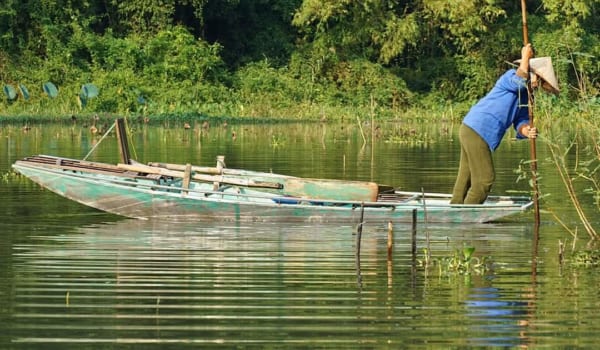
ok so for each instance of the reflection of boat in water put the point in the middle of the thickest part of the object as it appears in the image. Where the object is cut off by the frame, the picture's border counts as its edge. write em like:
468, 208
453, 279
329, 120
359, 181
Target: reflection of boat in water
156, 282
196, 193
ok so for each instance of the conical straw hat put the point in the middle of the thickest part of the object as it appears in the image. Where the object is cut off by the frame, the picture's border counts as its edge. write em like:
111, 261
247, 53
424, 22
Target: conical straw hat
542, 67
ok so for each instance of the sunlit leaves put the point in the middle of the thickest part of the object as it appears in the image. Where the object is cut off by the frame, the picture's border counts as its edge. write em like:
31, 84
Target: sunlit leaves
462, 21
570, 11
176, 55
146, 16
390, 27
397, 35
320, 12
339, 52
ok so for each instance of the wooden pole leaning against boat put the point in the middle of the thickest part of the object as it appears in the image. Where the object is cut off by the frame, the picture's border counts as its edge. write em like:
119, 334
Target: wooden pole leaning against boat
187, 177
123, 143
220, 167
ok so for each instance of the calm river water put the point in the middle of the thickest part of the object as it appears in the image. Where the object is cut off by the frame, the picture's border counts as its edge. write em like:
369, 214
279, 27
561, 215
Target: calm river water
73, 277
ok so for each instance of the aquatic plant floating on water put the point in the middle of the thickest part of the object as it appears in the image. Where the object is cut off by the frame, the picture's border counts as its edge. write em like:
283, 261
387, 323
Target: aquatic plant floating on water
586, 258
461, 262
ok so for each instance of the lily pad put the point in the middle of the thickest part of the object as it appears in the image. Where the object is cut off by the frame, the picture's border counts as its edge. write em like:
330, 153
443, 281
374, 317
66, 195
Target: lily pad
24, 91
89, 91
50, 89
10, 92
81, 101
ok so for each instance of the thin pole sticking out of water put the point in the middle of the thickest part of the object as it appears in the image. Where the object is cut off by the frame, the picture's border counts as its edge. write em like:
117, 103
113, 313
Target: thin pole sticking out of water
359, 230
390, 245
425, 223
414, 234
390, 241
414, 250
358, 238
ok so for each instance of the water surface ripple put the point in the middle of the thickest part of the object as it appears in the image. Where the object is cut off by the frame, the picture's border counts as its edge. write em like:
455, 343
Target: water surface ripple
137, 282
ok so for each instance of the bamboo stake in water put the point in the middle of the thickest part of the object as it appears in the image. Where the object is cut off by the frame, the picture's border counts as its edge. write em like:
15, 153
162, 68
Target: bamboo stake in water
390, 245
359, 230
425, 223
414, 234
390, 241
358, 239
530, 105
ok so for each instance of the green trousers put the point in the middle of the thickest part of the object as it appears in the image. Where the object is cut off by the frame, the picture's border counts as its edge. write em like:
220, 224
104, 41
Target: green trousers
475, 171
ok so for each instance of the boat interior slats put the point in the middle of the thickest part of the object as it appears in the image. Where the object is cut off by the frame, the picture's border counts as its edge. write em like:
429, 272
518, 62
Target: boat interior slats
71, 164
395, 197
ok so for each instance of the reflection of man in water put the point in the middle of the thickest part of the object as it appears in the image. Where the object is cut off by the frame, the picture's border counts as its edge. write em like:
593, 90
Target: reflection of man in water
499, 322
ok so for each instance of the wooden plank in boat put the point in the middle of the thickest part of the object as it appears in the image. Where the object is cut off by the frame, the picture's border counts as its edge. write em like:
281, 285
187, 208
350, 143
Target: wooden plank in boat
331, 189
293, 186
200, 177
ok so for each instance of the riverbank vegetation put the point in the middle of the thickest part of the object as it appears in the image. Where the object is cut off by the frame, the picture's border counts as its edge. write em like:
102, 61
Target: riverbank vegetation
293, 59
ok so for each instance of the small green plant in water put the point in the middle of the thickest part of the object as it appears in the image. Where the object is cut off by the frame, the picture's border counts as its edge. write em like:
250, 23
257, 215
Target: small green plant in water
586, 258
9, 175
277, 141
461, 262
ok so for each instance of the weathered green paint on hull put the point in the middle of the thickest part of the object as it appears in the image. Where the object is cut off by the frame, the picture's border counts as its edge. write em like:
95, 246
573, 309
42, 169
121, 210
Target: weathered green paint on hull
149, 199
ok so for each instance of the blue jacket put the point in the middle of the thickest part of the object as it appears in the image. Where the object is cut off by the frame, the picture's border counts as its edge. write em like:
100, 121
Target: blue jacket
503, 106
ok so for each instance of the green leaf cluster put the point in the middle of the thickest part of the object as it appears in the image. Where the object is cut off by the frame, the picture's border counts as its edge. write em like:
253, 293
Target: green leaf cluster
283, 57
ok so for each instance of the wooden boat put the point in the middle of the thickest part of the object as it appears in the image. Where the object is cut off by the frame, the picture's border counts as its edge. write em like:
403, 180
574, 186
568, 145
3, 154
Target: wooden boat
159, 192
195, 193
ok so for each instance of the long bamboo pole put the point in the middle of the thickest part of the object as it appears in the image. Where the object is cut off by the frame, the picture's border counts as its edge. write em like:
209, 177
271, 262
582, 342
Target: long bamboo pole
533, 151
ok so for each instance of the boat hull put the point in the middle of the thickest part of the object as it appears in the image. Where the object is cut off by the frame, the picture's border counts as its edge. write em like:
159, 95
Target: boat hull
149, 198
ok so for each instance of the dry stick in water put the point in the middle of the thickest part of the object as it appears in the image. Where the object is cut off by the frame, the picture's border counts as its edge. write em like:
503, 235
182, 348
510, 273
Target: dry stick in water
414, 234
425, 225
359, 230
358, 238
362, 133
390, 242
561, 252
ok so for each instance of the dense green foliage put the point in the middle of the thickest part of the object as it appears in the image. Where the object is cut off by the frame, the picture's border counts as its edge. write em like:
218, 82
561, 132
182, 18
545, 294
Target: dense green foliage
283, 58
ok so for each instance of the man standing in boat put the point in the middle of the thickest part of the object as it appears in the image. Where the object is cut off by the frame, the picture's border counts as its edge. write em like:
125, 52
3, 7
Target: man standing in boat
486, 123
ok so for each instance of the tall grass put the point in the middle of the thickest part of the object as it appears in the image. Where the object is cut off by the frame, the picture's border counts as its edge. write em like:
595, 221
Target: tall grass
572, 136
